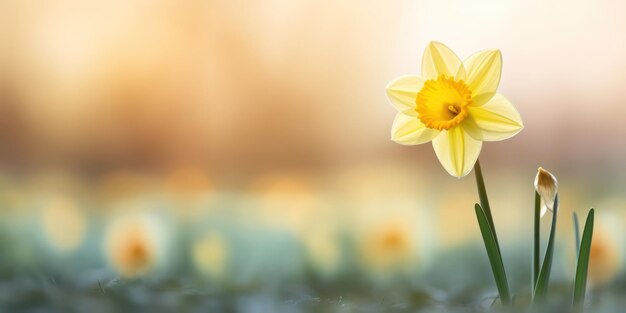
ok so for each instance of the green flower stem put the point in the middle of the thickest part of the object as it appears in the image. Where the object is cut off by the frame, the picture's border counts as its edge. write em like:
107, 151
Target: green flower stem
537, 240
484, 201
541, 289
580, 282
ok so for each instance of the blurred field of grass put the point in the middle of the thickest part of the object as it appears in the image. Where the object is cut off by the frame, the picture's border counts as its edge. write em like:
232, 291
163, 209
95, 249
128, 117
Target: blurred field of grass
368, 232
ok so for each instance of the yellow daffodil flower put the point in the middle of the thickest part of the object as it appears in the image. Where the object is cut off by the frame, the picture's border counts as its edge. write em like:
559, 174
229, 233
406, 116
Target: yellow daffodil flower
454, 104
547, 187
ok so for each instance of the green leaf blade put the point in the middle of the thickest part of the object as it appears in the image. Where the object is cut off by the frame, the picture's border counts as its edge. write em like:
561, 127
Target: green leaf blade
576, 232
493, 252
580, 282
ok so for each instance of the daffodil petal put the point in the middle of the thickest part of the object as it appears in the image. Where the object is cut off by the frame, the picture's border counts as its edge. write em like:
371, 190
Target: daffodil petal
402, 92
483, 70
495, 120
457, 151
440, 60
409, 130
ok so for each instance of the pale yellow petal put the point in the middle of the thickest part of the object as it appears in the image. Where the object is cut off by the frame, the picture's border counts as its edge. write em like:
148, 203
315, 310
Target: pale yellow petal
402, 92
495, 120
440, 60
483, 75
409, 130
457, 151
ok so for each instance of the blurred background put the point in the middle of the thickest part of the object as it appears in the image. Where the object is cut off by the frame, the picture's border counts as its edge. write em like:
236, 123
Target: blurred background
240, 149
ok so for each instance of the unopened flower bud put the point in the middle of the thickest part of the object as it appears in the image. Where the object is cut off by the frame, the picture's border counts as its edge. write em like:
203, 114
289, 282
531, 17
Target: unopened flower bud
547, 187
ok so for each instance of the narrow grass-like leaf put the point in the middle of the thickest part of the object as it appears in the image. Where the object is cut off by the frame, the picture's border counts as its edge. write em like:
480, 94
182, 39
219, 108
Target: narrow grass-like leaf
484, 200
537, 240
495, 259
543, 280
576, 232
580, 282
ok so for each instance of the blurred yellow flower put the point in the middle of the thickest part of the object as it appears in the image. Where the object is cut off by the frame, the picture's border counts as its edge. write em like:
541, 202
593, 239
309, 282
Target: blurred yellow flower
454, 104
64, 223
210, 254
131, 247
604, 258
323, 247
547, 187
389, 247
